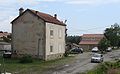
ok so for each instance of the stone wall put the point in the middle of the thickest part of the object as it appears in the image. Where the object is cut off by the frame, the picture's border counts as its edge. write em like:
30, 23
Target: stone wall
54, 56
87, 47
28, 35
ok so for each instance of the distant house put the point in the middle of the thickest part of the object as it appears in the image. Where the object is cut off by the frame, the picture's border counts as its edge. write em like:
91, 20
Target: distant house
38, 34
4, 46
3, 34
90, 40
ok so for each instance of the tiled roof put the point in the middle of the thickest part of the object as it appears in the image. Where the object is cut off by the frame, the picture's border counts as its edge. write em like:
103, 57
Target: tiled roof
93, 35
91, 38
4, 34
47, 17
89, 42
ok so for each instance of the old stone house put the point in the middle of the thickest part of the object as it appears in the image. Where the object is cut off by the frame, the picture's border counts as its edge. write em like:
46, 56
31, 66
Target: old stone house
90, 40
38, 34
4, 46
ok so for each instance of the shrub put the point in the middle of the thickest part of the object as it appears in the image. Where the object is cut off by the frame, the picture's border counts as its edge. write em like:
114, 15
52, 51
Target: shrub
26, 59
103, 45
104, 68
66, 54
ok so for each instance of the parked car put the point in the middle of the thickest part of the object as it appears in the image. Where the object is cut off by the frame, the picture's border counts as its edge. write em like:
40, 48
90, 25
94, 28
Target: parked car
76, 50
7, 54
96, 57
95, 49
109, 49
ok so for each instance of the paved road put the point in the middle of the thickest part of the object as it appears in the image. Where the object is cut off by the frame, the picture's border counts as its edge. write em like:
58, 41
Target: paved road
83, 63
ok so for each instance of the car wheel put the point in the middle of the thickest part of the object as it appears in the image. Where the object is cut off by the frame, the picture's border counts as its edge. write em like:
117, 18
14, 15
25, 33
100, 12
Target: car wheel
91, 61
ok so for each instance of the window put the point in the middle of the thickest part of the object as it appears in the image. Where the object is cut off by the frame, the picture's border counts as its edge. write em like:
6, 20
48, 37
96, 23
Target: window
60, 33
51, 48
51, 32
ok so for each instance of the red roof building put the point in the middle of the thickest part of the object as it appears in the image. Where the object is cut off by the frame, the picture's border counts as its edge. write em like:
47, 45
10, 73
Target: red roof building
90, 40
3, 34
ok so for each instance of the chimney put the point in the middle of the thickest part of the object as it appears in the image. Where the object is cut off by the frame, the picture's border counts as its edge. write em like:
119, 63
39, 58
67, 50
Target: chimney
36, 12
55, 16
65, 21
21, 10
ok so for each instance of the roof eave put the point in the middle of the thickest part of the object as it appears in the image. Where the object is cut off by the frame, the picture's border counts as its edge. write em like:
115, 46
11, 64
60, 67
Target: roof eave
19, 16
35, 15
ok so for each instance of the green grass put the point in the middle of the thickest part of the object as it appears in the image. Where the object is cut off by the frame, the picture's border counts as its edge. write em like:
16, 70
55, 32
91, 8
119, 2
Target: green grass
37, 67
104, 68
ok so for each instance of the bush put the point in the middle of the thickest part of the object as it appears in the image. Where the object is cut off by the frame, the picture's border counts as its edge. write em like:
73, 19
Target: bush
67, 52
103, 68
103, 45
26, 59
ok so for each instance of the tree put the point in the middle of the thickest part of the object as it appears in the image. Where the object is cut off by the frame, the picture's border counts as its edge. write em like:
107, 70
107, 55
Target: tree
9, 36
103, 45
6, 39
1, 31
113, 35
73, 39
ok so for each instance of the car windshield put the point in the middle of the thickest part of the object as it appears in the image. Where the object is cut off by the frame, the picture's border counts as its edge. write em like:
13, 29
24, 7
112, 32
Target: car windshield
96, 55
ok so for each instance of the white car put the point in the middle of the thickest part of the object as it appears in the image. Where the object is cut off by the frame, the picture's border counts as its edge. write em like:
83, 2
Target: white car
7, 54
97, 57
6, 73
109, 49
95, 49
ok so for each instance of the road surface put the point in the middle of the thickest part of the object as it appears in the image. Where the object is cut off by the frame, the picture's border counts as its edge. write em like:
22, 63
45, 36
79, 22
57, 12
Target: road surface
82, 63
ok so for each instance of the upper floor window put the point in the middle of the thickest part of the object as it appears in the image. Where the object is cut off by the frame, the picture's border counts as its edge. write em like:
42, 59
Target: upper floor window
60, 33
51, 32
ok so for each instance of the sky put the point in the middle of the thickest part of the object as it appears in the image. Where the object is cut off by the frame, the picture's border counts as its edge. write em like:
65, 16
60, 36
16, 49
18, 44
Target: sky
83, 16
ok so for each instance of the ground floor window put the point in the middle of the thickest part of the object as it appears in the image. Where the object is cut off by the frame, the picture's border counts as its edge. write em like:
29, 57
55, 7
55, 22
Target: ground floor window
51, 48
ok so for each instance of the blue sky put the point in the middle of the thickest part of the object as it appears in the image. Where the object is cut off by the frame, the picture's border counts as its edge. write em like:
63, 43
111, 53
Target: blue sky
83, 16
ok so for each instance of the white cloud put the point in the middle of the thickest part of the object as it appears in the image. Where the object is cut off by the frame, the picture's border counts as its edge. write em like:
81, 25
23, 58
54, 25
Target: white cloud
9, 10
47, 0
18, 2
28, 2
88, 2
5, 24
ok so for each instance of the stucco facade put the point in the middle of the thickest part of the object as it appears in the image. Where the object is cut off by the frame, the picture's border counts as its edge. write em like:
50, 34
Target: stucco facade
57, 40
31, 35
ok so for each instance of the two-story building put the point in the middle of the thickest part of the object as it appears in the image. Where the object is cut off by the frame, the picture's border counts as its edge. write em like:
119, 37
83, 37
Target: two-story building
38, 34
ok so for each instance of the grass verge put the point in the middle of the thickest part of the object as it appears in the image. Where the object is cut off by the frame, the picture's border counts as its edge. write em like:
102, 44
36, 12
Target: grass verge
37, 67
106, 68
